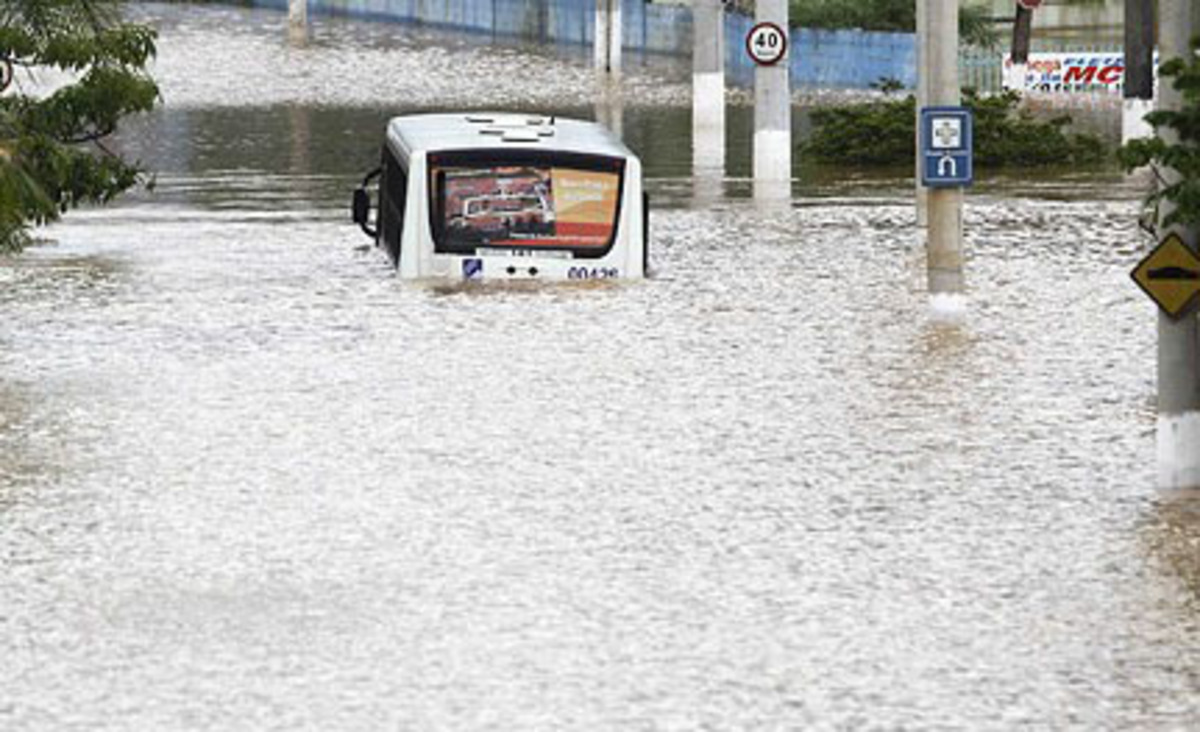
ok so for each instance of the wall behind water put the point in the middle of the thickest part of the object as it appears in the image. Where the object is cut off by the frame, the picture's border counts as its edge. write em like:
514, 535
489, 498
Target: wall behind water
819, 59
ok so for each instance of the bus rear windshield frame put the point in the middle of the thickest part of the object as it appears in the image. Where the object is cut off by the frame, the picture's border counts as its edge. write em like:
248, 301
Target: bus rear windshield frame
495, 158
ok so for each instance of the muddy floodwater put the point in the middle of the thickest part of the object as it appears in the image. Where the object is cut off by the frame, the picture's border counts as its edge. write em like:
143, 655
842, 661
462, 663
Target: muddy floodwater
251, 480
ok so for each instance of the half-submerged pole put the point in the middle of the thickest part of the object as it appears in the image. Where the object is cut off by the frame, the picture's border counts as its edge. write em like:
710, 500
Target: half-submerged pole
945, 242
708, 89
298, 13
773, 112
1178, 340
608, 38
298, 22
922, 102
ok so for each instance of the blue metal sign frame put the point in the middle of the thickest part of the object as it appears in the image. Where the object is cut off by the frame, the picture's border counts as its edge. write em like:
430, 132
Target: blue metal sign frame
947, 147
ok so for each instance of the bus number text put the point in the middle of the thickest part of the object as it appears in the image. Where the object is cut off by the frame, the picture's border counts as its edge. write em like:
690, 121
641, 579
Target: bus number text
593, 273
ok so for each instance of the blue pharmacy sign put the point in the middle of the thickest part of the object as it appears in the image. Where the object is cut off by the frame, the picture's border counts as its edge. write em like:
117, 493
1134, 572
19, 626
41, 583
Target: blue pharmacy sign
947, 147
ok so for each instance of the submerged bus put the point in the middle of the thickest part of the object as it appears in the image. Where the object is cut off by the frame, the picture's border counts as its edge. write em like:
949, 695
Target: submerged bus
506, 197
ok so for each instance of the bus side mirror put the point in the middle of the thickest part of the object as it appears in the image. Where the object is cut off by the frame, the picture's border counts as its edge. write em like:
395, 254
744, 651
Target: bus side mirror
361, 207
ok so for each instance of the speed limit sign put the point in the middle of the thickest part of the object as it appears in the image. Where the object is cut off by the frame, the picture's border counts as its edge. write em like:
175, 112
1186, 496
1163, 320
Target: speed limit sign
767, 44
6, 73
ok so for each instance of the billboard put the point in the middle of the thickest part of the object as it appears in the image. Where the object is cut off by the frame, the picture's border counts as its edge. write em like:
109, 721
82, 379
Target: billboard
1101, 72
527, 206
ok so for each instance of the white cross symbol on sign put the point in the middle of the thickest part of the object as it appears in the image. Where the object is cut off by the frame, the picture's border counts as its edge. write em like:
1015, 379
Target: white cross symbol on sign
947, 133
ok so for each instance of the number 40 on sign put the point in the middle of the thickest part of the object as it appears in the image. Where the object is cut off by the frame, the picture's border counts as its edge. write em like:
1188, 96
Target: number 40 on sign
767, 44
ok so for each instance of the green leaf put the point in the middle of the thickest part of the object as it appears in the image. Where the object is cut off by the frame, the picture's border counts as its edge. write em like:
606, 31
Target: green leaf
1183, 155
50, 158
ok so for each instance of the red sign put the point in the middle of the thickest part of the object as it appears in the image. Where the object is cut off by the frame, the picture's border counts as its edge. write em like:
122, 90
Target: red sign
1030, 4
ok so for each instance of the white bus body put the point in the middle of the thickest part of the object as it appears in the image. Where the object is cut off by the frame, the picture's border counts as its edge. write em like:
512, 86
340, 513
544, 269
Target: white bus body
507, 197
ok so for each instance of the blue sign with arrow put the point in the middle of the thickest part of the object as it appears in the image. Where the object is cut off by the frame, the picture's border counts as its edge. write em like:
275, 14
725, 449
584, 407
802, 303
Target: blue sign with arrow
947, 147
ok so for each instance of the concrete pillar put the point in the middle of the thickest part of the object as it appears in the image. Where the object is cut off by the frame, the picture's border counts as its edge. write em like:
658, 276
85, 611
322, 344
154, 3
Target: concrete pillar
1178, 341
708, 88
610, 108
945, 250
773, 113
1133, 119
298, 12
1139, 70
298, 22
608, 38
922, 102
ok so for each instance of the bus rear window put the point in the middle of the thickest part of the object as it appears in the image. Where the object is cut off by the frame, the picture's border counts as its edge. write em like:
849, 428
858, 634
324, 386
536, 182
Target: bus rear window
525, 206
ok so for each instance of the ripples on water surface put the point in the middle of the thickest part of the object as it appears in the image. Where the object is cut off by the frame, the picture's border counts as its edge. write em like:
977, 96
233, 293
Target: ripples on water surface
250, 480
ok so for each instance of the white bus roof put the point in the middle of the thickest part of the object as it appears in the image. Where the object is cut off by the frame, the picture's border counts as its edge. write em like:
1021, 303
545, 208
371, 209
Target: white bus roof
489, 131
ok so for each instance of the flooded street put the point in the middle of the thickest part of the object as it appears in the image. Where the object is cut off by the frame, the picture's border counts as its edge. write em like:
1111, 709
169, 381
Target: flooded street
249, 479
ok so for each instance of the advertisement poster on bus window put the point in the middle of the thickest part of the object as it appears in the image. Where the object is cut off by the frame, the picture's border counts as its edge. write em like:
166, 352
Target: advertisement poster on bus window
1070, 73
525, 206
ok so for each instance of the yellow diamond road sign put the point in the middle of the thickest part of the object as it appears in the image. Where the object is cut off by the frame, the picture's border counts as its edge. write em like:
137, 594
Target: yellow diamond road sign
1170, 275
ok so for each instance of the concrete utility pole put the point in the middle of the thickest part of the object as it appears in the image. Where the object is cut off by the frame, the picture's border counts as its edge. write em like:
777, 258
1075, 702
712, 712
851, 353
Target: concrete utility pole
922, 102
608, 38
945, 248
1178, 341
297, 23
298, 13
610, 108
708, 86
1139, 69
773, 113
